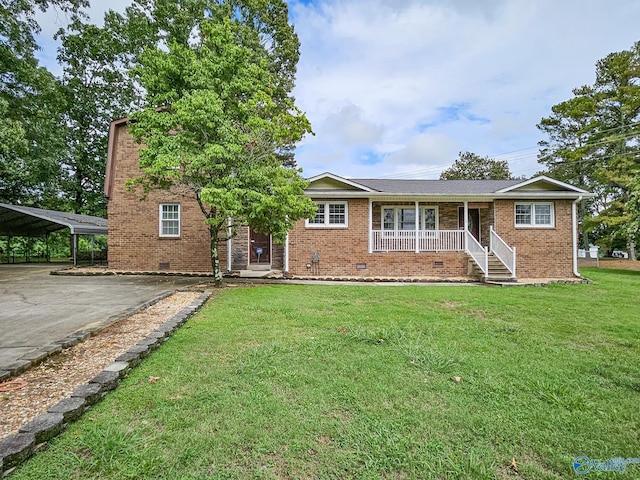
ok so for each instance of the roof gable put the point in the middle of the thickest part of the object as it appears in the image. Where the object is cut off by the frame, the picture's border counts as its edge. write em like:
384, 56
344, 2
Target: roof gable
542, 184
329, 181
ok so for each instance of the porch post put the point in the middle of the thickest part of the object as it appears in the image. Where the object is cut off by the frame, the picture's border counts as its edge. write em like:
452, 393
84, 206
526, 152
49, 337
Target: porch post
466, 223
491, 238
417, 226
370, 225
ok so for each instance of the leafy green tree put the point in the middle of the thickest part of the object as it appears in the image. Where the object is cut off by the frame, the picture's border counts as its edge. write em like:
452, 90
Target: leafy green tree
618, 86
97, 88
13, 144
469, 166
31, 103
220, 118
568, 153
594, 142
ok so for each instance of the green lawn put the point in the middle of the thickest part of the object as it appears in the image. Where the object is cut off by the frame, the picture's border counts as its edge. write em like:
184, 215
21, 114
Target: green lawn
357, 382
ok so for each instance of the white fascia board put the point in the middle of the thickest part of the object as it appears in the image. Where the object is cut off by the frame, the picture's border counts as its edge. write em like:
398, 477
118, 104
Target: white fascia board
479, 197
339, 179
543, 178
543, 195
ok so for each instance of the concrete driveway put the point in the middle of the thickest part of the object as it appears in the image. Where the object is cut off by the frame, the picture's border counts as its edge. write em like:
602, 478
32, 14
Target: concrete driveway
37, 309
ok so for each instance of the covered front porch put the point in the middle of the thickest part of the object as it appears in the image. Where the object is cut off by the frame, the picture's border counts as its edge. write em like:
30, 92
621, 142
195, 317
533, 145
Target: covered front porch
464, 226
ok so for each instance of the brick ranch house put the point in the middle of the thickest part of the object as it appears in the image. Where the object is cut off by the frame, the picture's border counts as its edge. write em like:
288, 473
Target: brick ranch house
370, 228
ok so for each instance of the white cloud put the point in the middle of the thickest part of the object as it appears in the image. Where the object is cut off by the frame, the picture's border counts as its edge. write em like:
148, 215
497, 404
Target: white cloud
400, 86
424, 150
349, 128
438, 77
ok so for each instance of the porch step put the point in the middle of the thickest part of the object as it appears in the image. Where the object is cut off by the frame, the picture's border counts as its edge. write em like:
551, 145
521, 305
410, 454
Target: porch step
259, 267
497, 271
257, 274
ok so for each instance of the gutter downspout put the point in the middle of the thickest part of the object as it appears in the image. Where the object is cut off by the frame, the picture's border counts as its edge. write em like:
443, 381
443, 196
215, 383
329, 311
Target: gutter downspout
370, 225
574, 228
417, 229
286, 255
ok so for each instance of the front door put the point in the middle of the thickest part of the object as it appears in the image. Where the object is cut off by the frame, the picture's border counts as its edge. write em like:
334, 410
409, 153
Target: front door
259, 248
474, 221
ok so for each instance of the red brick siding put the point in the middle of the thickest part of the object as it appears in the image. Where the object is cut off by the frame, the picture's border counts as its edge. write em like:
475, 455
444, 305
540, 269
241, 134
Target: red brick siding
134, 240
277, 256
448, 216
540, 252
340, 249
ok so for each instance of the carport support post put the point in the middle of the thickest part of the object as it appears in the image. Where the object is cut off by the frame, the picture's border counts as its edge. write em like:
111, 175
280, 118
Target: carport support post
466, 224
75, 249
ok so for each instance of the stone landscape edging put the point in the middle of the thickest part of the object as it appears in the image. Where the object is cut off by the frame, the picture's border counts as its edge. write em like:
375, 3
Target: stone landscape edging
33, 436
37, 356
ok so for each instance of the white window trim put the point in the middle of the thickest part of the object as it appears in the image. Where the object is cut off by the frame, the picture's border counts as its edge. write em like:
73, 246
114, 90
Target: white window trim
160, 220
533, 223
421, 221
326, 223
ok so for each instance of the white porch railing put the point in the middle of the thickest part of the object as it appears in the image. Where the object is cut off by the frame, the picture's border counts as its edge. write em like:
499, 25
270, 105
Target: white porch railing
441, 240
479, 253
427, 240
446, 241
504, 252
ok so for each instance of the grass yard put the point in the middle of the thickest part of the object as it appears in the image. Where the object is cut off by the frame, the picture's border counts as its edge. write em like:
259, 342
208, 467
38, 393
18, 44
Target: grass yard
339, 382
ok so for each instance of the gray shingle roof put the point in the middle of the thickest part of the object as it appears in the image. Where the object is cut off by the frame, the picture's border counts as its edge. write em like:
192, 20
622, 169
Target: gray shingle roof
435, 187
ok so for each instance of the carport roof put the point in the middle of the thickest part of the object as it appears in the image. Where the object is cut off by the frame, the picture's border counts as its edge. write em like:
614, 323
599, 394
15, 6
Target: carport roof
30, 221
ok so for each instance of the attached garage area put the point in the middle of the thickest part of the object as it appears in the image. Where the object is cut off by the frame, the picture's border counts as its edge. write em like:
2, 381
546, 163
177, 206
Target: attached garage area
17, 221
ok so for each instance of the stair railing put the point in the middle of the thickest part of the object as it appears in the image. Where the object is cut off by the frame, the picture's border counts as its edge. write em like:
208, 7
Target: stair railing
505, 253
479, 253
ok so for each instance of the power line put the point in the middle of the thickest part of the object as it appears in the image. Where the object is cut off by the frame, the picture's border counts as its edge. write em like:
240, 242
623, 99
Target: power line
434, 169
524, 156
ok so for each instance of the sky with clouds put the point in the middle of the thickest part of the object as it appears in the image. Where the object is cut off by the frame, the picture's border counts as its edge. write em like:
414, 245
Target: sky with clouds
396, 88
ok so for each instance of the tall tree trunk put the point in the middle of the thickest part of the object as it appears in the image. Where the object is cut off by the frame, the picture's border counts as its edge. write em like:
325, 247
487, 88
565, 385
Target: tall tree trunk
631, 247
77, 208
215, 258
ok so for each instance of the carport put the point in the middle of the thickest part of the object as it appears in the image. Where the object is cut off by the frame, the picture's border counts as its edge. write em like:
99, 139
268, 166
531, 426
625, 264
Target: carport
20, 221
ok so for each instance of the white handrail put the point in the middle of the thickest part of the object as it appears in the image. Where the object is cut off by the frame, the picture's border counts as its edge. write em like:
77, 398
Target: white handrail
504, 252
479, 253
426, 240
